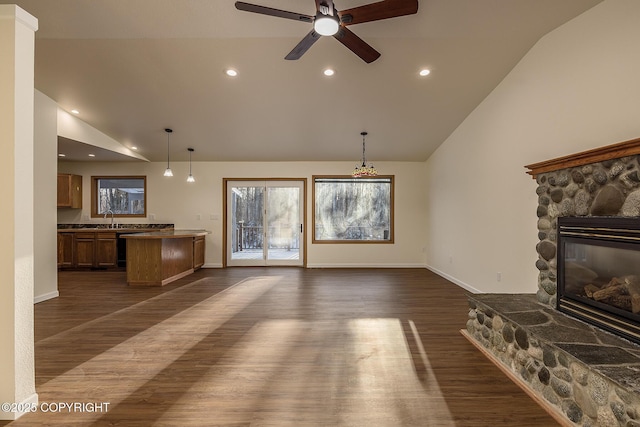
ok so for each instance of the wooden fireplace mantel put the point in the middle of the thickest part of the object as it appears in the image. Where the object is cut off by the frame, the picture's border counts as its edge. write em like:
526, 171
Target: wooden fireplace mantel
608, 152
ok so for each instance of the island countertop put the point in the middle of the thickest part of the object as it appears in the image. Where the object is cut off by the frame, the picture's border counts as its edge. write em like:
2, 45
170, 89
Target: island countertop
166, 234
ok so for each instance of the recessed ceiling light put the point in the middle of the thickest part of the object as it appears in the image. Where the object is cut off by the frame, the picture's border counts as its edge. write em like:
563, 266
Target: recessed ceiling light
231, 72
134, 147
92, 155
61, 155
74, 111
425, 72
329, 72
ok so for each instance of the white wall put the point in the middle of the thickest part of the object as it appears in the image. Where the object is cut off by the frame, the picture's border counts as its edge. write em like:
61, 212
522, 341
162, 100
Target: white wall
173, 200
45, 216
578, 88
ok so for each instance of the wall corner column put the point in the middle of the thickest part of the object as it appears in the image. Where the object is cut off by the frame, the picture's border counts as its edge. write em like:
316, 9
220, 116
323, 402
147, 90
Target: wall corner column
17, 49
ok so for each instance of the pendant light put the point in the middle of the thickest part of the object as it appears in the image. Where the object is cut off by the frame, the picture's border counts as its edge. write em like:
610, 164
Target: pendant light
364, 170
190, 178
168, 171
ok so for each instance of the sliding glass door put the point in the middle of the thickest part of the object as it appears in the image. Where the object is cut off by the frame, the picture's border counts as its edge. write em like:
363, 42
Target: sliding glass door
265, 221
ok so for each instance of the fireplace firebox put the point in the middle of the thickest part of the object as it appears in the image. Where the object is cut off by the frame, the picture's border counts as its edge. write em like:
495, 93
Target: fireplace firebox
598, 262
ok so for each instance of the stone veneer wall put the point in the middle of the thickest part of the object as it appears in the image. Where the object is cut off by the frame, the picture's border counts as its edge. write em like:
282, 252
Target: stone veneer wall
607, 188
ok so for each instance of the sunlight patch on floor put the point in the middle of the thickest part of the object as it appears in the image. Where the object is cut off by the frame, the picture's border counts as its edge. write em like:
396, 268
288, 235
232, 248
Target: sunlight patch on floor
341, 372
146, 354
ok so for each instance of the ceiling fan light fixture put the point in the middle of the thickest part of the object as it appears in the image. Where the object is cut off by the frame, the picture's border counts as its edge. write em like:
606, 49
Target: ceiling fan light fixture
327, 22
326, 25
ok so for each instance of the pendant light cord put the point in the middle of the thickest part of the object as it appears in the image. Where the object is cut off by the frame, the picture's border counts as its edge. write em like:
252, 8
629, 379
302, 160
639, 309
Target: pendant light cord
168, 133
364, 159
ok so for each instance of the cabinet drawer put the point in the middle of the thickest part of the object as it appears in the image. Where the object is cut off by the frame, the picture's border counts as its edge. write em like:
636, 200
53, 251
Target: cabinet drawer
85, 236
106, 235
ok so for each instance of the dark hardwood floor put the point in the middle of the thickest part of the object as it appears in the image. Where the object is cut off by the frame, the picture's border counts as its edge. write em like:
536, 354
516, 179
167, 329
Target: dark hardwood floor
269, 347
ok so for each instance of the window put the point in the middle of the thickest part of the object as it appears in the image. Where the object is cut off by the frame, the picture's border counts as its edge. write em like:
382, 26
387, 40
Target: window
353, 210
125, 196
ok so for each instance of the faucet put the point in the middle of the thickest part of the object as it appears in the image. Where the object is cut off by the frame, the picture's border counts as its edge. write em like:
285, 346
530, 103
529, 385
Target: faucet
107, 213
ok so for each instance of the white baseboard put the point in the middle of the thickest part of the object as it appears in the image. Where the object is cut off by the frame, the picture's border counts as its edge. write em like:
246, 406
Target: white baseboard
29, 402
460, 283
45, 297
364, 265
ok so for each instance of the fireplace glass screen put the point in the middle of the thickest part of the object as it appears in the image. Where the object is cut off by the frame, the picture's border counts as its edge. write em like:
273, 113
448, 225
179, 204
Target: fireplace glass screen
602, 274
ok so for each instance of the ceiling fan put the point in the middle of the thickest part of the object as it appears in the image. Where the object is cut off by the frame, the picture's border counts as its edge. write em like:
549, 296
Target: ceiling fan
329, 21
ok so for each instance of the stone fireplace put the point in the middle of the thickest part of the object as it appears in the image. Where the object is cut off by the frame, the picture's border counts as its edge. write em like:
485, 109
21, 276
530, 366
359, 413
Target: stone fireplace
576, 354
582, 186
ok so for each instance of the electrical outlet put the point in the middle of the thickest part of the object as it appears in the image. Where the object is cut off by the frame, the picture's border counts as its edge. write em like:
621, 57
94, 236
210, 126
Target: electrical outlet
152, 217
198, 217
498, 276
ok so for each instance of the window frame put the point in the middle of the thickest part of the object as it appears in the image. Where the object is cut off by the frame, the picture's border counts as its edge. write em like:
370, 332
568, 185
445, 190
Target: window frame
94, 195
391, 240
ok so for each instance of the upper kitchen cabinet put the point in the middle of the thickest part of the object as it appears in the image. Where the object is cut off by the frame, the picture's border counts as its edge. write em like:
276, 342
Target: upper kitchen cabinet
69, 191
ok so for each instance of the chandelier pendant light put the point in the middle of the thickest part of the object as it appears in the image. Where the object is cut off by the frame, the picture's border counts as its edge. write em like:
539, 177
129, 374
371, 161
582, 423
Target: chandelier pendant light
190, 178
168, 171
364, 169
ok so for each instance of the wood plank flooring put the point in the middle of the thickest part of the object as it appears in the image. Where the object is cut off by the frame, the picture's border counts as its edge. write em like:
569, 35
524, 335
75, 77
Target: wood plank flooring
269, 347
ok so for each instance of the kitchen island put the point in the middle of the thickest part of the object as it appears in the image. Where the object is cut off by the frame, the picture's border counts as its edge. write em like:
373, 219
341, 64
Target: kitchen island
161, 257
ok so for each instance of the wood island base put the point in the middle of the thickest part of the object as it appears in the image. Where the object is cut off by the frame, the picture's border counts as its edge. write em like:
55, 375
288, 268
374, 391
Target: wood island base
155, 259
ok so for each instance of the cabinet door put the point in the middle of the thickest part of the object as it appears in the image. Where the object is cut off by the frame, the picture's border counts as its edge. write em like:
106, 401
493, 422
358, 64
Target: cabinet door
64, 190
106, 250
85, 250
198, 252
69, 191
65, 249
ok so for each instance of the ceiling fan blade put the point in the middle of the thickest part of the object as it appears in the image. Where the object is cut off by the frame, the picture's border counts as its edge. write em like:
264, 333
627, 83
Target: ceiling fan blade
263, 10
357, 45
303, 46
377, 11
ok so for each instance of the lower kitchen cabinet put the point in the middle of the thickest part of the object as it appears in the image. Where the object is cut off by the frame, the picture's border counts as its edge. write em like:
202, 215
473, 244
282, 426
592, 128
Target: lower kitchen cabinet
106, 250
65, 250
87, 250
198, 252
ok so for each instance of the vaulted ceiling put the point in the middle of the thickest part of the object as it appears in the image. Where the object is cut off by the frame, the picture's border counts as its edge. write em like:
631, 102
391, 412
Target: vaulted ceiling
134, 68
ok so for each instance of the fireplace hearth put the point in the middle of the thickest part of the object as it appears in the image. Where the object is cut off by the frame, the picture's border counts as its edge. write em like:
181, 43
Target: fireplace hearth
575, 345
599, 272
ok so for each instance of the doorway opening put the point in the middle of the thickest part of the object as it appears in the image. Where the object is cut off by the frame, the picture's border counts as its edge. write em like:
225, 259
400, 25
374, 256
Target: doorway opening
265, 222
